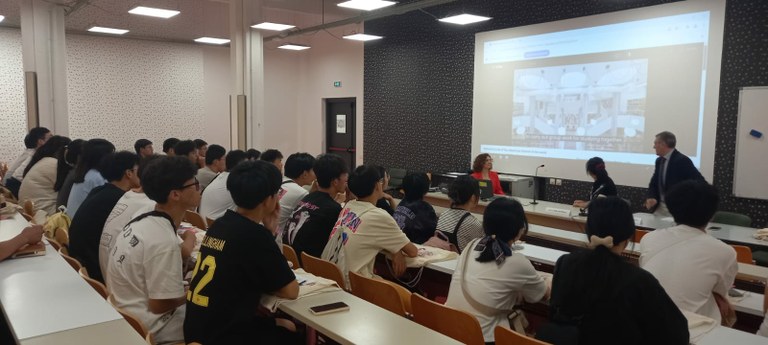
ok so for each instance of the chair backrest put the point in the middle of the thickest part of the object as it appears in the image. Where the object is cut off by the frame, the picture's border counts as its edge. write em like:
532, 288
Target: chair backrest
454, 323
378, 292
134, 321
639, 235
743, 254
95, 284
29, 208
55, 244
62, 236
506, 336
396, 177
291, 256
70, 260
322, 268
210, 222
732, 218
196, 220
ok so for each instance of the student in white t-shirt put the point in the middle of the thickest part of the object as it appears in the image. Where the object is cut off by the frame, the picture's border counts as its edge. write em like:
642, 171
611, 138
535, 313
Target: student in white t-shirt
216, 198
490, 278
298, 173
369, 229
144, 271
690, 264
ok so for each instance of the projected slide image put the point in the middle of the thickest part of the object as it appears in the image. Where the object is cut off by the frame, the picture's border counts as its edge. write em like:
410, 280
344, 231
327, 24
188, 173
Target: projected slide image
597, 106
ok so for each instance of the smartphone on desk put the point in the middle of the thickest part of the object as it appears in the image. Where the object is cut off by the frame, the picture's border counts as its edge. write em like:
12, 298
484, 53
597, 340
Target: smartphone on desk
329, 308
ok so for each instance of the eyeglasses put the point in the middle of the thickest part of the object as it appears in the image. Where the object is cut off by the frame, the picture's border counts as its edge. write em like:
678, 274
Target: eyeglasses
196, 184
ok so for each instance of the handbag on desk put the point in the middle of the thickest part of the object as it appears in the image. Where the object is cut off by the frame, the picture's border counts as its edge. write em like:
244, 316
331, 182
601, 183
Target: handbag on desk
441, 240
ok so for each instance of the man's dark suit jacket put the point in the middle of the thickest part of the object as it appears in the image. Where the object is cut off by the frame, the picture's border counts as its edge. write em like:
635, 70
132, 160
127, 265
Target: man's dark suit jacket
679, 169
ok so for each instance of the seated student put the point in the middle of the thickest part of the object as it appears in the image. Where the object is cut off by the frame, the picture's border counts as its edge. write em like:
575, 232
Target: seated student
252, 154
387, 201
143, 148
66, 166
41, 175
312, 220
85, 231
415, 216
458, 223
87, 175
605, 297
133, 203
222, 307
298, 173
368, 229
169, 144
215, 162
144, 272
202, 151
603, 185
273, 156
29, 235
703, 265
481, 170
216, 199
490, 279
186, 148
15, 174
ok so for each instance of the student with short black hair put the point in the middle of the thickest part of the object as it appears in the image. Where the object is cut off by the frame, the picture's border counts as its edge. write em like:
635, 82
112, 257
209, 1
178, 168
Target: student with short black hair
298, 173
169, 144
221, 307
599, 297
216, 198
202, 151
311, 221
85, 231
87, 175
413, 215
705, 267
215, 162
490, 277
253, 154
273, 156
34, 139
369, 229
457, 222
387, 201
144, 271
186, 148
143, 148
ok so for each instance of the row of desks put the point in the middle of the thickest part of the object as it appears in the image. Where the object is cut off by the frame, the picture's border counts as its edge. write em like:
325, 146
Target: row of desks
46, 302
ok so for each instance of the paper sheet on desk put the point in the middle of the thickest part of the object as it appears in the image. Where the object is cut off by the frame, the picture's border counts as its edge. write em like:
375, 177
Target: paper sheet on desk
698, 325
309, 285
429, 255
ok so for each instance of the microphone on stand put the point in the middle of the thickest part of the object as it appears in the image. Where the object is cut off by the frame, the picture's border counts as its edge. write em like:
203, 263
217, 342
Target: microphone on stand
536, 185
583, 211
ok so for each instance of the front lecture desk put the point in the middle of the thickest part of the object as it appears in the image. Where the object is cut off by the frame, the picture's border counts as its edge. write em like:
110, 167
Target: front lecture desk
46, 302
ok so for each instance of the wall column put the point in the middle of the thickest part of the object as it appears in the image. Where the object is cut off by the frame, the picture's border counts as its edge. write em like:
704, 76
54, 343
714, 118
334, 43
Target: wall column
247, 64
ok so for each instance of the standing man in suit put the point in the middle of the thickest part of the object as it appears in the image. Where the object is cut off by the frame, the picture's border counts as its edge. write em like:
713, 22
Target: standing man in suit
672, 167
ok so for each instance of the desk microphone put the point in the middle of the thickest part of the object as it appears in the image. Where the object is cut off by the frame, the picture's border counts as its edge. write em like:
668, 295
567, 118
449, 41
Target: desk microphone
583, 211
536, 185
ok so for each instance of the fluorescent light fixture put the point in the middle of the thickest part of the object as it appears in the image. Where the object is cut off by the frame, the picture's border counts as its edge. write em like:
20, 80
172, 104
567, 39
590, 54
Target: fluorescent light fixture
366, 5
290, 46
153, 12
272, 26
362, 37
104, 30
464, 19
1, 18
212, 40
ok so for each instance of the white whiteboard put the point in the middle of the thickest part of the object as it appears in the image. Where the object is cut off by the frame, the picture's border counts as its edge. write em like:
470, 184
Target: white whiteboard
751, 164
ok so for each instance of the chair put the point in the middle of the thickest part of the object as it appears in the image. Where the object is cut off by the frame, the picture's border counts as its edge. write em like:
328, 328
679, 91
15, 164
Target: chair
70, 260
506, 336
55, 244
743, 254
396, 178
133, 321
379, 292
639, 235
196, 220
29, 208
732, 218
454, 323
209, 221
95, 284
62, 236
291, 256
322, 268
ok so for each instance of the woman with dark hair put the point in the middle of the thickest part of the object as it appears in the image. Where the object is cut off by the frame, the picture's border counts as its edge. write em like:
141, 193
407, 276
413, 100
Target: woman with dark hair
603, 185
481, 170
490, 278
66, 167
387, 202
40, 175
87, 176
598, 297
457, 222
413, 215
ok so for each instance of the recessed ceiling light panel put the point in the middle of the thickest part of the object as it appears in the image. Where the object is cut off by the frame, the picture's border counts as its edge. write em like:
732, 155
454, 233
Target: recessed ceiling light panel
212, 40
1, 18
362, 37
464, 19
293, 47
366, 5
111, 31
153, 12
273, 26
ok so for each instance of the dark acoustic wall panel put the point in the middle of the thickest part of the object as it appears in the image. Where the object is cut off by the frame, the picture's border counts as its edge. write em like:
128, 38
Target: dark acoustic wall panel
419, 81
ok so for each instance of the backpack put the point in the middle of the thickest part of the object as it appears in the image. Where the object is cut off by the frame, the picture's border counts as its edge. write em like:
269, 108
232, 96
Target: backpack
57, 220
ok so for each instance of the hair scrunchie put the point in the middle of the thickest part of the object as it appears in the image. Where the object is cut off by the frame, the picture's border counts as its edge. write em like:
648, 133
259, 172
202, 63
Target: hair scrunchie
500, 248
595, 241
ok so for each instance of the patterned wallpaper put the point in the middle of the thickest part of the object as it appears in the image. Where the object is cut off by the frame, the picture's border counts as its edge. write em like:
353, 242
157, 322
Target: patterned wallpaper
419, 79
13, 109
122, 90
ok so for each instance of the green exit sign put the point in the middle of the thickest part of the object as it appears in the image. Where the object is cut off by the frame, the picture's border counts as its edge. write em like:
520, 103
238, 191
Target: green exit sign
336, 84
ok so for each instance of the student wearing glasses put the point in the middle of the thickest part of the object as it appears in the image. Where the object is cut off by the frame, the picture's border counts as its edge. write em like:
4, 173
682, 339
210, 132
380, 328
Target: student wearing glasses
144, 272
481, 170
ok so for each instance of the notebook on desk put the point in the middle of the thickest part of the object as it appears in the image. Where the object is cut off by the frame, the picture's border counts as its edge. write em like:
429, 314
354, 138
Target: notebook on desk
37, 249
